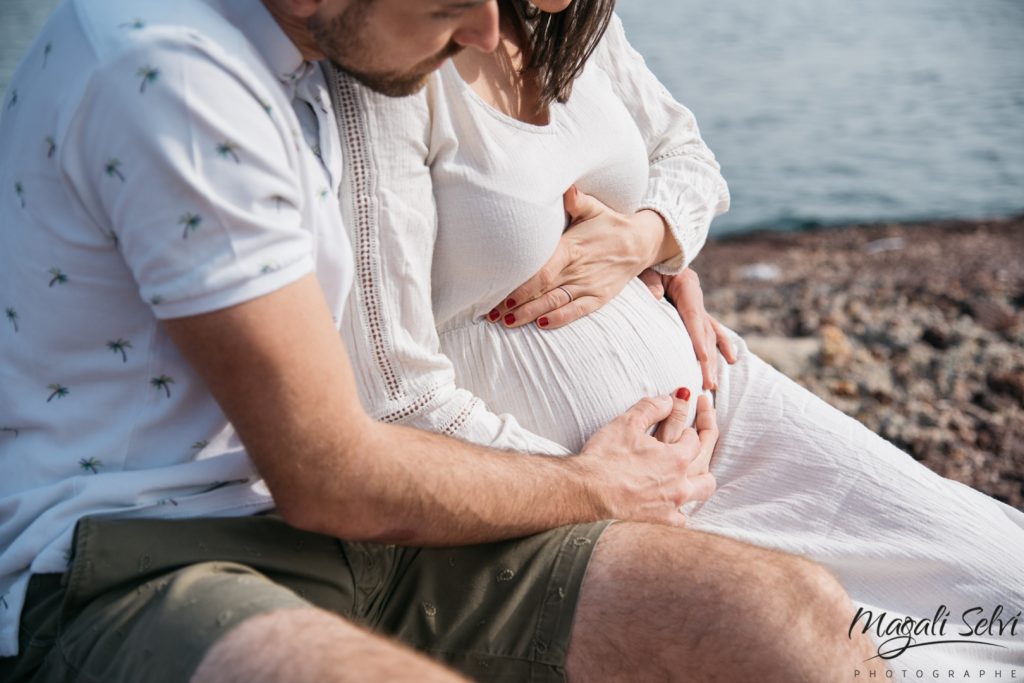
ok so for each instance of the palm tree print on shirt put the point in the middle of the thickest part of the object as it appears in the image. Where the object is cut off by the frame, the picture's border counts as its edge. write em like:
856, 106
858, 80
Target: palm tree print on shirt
46, 53
119, 346
200, 445
51, 146
191, 222
57, 391
113, 169
149, 75
135, 24
12, 316
19, 190
227, 150
14, 99
162, 382
90, 465
57, 276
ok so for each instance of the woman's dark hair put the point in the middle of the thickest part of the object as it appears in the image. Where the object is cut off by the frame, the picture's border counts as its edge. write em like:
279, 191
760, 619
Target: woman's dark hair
557, 46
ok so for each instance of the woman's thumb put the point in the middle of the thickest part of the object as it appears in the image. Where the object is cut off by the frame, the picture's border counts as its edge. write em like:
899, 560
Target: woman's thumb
578, 205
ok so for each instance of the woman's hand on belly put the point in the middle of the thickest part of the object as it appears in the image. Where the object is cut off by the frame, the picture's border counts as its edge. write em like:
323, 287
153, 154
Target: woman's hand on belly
706, 422
600, 252
672, 429
705, 332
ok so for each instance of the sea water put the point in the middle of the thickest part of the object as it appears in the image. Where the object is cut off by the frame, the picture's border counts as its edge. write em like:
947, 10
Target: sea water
821, 111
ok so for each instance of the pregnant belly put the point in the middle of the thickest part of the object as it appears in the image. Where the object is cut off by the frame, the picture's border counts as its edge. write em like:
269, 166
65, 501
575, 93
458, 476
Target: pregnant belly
565, 384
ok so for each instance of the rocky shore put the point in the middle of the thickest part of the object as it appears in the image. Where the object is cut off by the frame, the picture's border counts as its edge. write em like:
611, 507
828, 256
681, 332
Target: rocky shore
917, 330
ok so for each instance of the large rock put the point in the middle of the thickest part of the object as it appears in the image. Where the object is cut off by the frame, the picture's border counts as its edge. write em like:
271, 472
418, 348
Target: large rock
1008, 382
992, 313
793, 357
836, 350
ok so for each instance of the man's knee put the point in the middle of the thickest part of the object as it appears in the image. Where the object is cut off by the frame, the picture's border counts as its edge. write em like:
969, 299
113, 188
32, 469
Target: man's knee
821, 582
814, 587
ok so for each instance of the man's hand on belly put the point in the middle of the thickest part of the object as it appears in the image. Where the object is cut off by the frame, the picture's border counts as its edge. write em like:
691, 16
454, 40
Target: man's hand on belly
641, 478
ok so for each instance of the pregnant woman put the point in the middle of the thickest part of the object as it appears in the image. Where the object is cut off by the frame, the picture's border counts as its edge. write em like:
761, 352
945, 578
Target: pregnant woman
455, 197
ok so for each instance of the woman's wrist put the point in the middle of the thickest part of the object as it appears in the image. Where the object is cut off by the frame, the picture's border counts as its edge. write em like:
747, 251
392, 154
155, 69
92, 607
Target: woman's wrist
656, 241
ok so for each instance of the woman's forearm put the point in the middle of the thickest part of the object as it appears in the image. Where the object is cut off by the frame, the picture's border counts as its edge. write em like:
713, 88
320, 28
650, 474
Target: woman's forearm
656, 240
685, 185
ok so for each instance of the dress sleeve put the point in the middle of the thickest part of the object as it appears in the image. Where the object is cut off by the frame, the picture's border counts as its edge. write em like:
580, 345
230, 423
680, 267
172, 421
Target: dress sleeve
389, 211
685, 184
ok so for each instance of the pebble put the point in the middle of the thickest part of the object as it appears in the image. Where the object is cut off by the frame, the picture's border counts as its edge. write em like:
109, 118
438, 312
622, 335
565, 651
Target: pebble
761, 272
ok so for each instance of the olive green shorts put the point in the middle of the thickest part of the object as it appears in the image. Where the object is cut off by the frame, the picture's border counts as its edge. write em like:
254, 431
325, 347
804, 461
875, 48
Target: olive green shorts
144, 600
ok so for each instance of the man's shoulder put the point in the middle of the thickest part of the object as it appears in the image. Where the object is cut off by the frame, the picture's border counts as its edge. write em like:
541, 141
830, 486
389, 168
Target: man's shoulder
115, 28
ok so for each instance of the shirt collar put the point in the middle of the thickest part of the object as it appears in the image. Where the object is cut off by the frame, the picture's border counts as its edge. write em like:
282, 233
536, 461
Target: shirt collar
254, 20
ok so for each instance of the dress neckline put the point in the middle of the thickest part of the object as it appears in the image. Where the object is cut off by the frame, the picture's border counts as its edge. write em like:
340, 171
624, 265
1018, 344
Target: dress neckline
554, 109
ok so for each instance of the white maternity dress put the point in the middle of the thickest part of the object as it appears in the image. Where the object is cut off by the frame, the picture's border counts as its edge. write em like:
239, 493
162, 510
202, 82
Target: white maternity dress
451, 205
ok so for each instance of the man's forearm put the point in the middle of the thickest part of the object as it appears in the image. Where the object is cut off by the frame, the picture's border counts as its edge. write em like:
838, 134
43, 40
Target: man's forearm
281, 374
407, 486
418, 488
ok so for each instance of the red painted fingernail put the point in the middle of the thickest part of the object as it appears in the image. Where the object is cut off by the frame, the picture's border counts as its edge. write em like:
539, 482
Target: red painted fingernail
511, 303
543, 322
493, 315
509, 319
683, 393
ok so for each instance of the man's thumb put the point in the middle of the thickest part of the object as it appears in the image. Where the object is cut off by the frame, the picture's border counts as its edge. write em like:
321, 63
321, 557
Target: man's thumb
649, 411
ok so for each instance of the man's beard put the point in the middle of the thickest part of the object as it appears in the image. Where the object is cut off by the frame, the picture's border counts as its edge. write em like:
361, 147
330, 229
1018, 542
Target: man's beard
395, 84
341, 41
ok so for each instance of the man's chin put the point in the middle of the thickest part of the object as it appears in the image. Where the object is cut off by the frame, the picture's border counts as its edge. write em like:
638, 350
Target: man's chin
390, 85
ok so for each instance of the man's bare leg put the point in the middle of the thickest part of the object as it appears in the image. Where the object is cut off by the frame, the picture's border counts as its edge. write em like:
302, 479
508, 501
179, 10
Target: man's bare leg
312, 646
664, 604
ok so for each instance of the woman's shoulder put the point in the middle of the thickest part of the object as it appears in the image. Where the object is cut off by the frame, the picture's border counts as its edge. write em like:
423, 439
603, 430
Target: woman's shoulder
612, 43
626, 68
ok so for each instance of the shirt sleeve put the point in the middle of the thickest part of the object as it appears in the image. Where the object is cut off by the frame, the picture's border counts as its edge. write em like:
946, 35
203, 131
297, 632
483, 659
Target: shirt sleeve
182, 158
685, 184
388, 327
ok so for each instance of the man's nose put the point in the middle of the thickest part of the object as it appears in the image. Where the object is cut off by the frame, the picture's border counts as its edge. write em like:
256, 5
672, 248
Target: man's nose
480, 28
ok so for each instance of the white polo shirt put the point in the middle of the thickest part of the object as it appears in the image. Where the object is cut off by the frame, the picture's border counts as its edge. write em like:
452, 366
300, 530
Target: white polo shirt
151, 166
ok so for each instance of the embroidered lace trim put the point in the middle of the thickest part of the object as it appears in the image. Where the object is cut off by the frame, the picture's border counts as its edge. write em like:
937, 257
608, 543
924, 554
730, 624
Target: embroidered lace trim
358, 165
